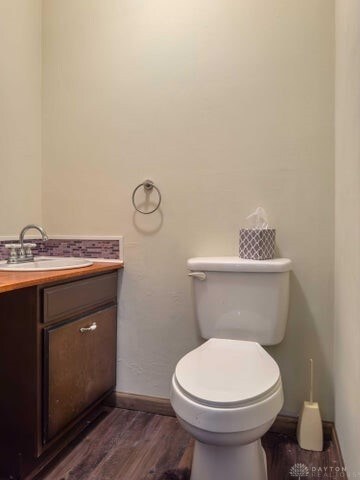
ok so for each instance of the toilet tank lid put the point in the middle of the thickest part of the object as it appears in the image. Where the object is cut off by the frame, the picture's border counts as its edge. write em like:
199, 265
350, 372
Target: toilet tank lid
236, 264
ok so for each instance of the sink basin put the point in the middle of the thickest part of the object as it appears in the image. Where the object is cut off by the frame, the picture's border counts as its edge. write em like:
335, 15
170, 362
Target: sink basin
42, 264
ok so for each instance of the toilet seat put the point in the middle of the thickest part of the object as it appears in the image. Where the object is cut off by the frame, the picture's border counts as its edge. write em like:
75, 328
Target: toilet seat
210, 392
227, 373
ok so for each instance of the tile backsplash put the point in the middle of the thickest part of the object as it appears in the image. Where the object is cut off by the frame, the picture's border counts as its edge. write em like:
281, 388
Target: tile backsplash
108, 249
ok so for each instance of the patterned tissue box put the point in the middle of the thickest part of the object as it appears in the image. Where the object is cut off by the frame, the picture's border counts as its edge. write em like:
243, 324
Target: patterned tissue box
257, 244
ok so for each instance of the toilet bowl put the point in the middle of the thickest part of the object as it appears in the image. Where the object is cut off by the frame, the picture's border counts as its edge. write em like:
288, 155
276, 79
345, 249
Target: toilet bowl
226, 394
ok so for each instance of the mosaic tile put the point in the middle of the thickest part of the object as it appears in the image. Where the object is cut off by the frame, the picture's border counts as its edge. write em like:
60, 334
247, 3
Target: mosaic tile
108, 249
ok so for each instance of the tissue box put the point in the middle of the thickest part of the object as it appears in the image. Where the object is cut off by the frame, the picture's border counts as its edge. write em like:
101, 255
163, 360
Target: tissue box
257, 244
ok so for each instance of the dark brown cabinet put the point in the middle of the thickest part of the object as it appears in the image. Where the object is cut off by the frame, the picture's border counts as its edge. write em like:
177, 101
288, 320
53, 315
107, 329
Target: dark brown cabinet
57, 363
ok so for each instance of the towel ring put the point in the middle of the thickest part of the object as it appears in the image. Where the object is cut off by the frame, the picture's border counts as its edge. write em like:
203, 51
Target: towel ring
148, 187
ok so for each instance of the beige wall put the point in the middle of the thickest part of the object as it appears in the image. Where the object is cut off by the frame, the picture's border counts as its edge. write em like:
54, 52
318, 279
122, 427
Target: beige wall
347, 220
226, 105
20, 114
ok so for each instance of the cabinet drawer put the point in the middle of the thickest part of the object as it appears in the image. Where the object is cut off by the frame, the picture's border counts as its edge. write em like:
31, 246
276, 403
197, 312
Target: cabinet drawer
80, 366
70, 299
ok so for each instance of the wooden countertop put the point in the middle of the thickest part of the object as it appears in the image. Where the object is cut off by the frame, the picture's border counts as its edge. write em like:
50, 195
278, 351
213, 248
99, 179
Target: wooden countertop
16, 280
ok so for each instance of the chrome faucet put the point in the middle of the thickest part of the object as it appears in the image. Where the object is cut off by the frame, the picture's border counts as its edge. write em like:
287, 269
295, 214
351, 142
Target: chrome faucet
32, 226
22, 252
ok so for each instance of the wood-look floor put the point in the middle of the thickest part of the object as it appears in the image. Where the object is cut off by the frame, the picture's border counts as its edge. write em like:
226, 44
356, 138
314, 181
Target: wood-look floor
129, 445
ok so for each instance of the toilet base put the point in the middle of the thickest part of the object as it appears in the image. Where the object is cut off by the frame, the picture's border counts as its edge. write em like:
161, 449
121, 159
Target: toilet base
212, 462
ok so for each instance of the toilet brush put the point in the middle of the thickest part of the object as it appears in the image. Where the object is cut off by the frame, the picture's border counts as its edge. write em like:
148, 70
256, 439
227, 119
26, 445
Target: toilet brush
309, 428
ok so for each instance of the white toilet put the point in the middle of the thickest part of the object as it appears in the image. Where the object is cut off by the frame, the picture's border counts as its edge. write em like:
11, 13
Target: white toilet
227, 392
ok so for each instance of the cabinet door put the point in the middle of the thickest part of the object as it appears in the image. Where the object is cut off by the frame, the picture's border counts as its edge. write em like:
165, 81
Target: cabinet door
80, 366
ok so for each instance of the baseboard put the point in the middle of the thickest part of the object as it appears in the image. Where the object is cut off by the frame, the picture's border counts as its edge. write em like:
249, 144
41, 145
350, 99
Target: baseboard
141, 403
336, 443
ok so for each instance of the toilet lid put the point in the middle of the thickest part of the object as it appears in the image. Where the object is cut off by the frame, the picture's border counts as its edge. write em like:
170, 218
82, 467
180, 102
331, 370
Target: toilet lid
228, 373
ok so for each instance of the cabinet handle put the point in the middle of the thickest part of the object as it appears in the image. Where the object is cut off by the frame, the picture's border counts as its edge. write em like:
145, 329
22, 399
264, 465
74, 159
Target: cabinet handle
92, 327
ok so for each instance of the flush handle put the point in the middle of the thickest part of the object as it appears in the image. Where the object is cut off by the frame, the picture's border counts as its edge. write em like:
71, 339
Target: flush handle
198, 275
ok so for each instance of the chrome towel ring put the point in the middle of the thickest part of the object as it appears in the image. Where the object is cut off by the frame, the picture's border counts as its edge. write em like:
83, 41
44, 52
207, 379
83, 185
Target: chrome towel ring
148, 187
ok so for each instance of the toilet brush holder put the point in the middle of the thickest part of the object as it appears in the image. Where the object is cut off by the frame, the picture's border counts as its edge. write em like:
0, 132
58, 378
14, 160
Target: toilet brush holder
309, 428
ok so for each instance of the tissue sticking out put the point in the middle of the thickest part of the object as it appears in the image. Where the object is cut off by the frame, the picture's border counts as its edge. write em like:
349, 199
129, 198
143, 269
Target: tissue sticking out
258, 219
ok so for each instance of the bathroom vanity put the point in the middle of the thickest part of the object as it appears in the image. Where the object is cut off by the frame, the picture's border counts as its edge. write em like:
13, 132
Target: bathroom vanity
57, 360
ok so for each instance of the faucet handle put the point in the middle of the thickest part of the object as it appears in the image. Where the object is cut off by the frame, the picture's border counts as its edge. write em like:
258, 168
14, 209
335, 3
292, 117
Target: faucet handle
30, 245
12, 246
28, 249
13, 254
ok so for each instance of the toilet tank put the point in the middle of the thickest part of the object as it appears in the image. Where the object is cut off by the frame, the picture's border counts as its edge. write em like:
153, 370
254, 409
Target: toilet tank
241, 299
